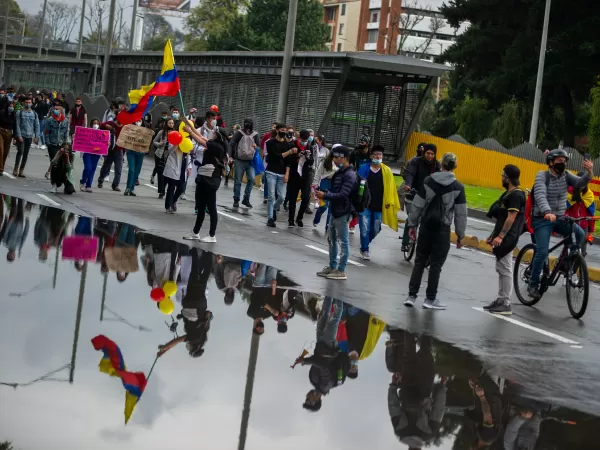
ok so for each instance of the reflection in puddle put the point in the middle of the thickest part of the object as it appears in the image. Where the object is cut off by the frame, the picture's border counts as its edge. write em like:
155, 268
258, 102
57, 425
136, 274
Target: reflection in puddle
221, 358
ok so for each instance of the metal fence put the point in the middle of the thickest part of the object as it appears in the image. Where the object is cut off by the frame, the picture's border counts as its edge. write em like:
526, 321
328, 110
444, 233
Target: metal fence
49, 44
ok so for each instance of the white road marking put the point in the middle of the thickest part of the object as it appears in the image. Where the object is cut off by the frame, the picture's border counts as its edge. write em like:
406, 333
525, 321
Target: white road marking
6, 174
230, 216
480, 221
564, 340
354, 263
150, 186
48, 199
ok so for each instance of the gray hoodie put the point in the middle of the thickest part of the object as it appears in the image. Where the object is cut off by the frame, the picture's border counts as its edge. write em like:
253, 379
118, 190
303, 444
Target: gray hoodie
455, 201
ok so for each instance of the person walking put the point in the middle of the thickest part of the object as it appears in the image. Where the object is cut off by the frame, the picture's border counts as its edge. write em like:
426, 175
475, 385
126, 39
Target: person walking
7, 125
343, 185
384, 204
27, 128
322, 182
208, 181
90, 163
114, 156
61, 172
277, 171
300, 180
509, 212
135, 160
56, 131
174, 175
161, 145
42, 108
79, 117
244, 145
441, 201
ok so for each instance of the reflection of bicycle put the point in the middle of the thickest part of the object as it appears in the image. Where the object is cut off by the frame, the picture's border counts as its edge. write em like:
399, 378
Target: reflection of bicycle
571, 264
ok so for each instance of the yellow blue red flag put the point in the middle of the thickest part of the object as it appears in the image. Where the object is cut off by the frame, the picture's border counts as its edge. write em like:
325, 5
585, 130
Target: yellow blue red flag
166, 85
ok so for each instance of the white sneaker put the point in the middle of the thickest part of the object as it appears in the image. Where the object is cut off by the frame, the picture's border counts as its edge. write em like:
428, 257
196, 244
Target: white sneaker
43, 147
351, 230
365, 255
82, 186
209, 240
183, 197
192, 237
53, 189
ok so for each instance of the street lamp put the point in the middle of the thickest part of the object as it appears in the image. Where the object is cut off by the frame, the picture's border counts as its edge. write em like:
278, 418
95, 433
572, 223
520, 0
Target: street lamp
97, 47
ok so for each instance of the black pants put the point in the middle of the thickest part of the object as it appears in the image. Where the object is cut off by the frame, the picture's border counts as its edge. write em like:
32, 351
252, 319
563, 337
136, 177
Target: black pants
114, 156
433, 246
52, 151
206, 197
174, 190
22, 153
297, 185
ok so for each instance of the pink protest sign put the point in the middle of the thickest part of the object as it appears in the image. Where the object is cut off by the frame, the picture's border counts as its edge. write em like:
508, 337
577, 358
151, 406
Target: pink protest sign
80, 248
88, 140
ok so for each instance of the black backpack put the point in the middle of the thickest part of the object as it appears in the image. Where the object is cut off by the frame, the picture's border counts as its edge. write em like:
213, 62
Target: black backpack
435, 212
360, 202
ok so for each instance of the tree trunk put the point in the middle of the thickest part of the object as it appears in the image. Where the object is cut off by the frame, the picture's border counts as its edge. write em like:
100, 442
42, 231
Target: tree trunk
567, 104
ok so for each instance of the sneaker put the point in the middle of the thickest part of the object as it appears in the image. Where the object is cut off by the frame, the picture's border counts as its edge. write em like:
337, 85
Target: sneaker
410, 301
127, 192
308, 210
501, 308
151, 180
53, 190
404, 248
433, 304
291, 224
265, 201
161, 196
491, 305
174, 207
137, 182
21, 174
337, 275
299, 223
116, 188
534, 293
271, 223
43, 147
100, 183
88, 190
325, 272
183, 197
365, 255
47, 175
82, 187
133, 194
351, 230
209, 240
236, 203
246, 203
262, 189
274, 216
15, 173
192, 237
169, 210
285, 207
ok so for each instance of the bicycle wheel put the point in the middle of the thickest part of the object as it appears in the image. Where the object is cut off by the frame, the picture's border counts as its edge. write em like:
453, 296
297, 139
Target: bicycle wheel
578, 285
411, 251
522, 273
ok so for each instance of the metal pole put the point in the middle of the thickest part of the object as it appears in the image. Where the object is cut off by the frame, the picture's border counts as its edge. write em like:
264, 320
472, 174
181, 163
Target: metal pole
23, 30
97, 50
254, 345
4, 43
286, 68
103, 297
39, 52
80, 45
55, 267
133, 23
78, 321
108, 47
535, 117
437, 92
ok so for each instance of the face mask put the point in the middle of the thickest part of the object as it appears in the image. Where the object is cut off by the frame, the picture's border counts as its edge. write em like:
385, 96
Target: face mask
138, 123
27, 106
304, 143
10, 95
11, 109
340, 165
376, 161
175, 116
560, 167
362, 146
163, 117
56, 112
95, 126
281, 134
310, 139
213, 123
1, 95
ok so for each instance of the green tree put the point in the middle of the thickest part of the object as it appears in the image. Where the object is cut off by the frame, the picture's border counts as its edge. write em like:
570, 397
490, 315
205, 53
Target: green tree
594, 128
6, 445
509, 127
214, 21
473, 119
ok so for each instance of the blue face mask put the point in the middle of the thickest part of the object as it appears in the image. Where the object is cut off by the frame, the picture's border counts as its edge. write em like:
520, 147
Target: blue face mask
11, 109
304, 143
175, 116
310, 139
376, 161
56, 112
340, 165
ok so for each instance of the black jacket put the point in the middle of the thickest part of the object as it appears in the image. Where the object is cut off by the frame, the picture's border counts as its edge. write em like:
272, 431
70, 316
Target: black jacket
417, 170
340, 195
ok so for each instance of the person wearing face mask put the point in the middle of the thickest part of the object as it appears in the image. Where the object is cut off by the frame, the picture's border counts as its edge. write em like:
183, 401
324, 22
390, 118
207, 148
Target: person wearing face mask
291, 140
161, 145
7, 124
176, 117
56, 131
27, 128
301, 177
79, 116
114, 155
111, 112
244, 145
42, 108
550, 204
277, 171
90, 162
164, 116
384, 204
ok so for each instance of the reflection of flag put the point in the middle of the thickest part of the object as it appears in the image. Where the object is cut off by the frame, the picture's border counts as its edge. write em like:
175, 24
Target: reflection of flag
166, 85
113, 364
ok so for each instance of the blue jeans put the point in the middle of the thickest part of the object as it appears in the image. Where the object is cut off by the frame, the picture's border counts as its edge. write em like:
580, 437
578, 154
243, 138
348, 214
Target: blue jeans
370, 226
325, 185
239, 169
265, 185
276, 184
42, 136
90, 162
338, 230
542, 230
134, 167
327, 323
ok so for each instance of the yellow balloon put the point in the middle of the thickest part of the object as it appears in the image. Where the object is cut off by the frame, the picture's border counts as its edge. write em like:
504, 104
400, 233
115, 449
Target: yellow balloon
170, 288
166, 306
186, 145
181, 127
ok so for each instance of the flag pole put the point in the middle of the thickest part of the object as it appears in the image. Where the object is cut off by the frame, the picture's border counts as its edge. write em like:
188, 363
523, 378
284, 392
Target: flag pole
181, 101
151, 369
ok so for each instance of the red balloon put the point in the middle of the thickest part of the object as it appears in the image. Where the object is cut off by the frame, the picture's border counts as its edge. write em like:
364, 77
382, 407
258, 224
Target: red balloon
157, 294
175, 137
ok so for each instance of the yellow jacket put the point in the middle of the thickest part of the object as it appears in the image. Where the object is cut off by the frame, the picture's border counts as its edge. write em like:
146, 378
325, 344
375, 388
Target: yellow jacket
391, 203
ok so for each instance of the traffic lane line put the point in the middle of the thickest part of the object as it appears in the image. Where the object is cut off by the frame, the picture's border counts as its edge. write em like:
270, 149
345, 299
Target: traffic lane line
326, 252
48, 199
549, 334
150, 186
6, 174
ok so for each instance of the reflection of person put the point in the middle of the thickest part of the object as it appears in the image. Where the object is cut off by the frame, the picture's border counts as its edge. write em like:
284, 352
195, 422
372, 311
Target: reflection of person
194, 313
228, 276
487, 411
15, 229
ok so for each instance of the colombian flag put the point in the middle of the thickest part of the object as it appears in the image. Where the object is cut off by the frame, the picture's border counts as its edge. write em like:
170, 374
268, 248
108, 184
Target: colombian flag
166, 85
113, 364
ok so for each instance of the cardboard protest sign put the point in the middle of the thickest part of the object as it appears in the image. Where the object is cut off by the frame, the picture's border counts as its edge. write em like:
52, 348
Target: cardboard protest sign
121, 259
135, 138
80, 248
88, 140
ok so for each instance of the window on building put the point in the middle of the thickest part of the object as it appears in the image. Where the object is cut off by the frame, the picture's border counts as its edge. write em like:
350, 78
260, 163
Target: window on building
341, 29
329, 14
372, 36
343, 13
374, 15
339, 47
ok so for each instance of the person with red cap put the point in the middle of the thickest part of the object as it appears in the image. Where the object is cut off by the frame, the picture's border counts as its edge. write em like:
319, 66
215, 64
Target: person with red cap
220, 121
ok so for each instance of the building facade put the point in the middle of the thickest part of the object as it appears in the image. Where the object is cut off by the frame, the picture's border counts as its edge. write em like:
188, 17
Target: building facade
343, 18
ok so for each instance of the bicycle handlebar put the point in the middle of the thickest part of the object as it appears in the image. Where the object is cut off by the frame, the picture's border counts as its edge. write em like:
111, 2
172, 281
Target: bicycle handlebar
579, 219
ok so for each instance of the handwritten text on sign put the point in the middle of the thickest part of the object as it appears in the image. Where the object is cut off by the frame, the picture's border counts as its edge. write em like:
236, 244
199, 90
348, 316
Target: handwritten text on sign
88, 140
135, 138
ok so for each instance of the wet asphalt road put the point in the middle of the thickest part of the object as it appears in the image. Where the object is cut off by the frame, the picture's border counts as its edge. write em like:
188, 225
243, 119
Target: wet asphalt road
551, 354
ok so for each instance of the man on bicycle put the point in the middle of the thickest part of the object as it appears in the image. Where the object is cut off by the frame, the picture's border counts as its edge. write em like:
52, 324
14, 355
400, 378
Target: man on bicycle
550, 196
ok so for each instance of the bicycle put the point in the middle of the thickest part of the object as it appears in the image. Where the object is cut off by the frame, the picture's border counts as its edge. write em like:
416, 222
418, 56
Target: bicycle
412, 243
571, 264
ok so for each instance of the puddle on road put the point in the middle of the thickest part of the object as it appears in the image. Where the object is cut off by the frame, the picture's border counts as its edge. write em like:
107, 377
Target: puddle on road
67, 279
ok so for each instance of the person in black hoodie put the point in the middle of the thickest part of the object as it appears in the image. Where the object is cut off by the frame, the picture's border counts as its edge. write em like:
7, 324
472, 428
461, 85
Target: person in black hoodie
7, 127
301, 165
